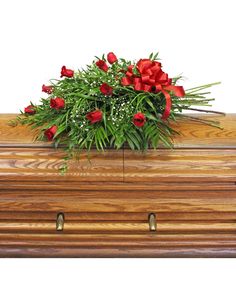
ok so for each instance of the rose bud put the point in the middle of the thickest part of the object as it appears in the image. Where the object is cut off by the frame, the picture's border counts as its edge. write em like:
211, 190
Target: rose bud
94, 116
50, 133
57, 103
106, 89
48, 89
139, 119
66, 72
111, 57
30, 110
102, 65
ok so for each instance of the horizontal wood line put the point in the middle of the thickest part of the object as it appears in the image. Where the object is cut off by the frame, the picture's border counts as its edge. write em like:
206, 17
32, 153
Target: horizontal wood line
120, 213
32, 145
182, 179
108, 238
163, 252
90, 221
119, 186
140, 195
131, 236
52, 189
124, 245
117, 222
25, 146
120, 226
110, 191
111, 222
117, 183
122, 233
60, 192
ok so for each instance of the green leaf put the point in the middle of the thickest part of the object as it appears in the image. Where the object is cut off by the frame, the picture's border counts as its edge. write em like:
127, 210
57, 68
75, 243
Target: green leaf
150, 56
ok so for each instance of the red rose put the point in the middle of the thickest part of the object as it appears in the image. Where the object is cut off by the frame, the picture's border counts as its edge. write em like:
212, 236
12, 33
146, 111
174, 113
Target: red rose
102, 65
66, 72
94, 116
30, 110
50, 133
57, 103
48, 89
106, 89
129, 78
139, 119
111, 58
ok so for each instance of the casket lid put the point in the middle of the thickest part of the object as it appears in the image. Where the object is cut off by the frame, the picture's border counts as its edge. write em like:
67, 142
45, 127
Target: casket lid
193, 134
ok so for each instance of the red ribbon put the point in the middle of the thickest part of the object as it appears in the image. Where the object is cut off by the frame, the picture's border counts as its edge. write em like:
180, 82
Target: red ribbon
177, 91
153, 79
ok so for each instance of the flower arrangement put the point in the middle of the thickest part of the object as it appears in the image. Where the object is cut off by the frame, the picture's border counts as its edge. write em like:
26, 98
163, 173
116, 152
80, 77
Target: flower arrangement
114, 102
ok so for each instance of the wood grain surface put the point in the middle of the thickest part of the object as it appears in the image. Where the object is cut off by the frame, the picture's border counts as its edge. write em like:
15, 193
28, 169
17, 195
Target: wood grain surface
198, 156
106, 199
193, 134
44, 163
127, 201
180, 165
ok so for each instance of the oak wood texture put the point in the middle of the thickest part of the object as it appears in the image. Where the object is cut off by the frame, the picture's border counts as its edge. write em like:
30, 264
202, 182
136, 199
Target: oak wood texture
115, 201
197, 150
193, 134
44, 163
106, 199
180, 165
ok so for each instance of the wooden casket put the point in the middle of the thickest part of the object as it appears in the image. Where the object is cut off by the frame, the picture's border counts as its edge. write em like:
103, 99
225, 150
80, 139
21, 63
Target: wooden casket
177, 202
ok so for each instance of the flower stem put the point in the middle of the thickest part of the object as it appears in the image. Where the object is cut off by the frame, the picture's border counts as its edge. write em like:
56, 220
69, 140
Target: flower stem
206, 111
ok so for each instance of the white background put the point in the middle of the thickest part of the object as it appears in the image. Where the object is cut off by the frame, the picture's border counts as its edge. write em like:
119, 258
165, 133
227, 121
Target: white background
118, 271
196, 38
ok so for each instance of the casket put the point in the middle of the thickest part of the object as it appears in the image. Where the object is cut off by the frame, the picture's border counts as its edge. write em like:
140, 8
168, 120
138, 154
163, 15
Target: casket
178, 202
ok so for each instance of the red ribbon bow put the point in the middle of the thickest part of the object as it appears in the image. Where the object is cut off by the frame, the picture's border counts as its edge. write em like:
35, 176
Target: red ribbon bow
152, 79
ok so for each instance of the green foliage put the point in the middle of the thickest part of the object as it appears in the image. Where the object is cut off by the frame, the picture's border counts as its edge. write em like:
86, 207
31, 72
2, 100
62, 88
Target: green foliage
82, 95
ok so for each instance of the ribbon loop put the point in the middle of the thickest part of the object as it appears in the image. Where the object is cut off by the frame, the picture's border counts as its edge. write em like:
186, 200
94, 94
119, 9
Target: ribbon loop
151, 78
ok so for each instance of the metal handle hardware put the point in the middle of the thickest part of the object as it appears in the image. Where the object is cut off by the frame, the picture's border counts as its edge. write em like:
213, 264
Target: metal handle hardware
152, 222
60, 222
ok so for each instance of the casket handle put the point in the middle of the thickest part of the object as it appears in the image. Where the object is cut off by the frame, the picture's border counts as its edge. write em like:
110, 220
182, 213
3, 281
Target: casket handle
60, 222
152, 222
